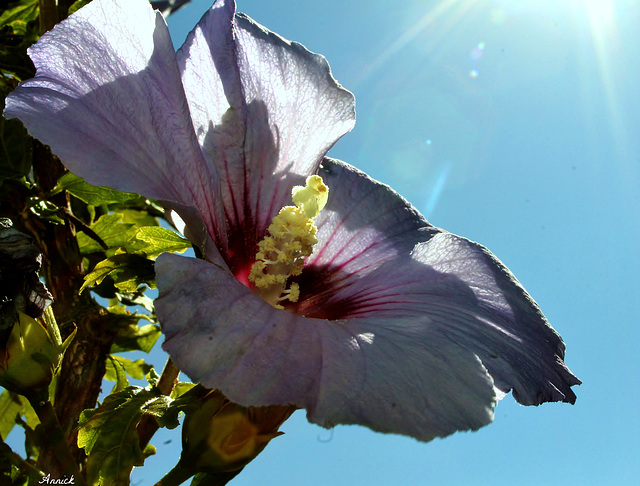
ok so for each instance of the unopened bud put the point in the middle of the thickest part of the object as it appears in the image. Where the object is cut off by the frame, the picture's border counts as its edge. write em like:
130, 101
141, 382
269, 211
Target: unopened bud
221, 436
32, 354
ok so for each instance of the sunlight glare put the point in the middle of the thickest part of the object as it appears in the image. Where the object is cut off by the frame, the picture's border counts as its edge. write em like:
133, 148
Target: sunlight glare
443, 16
605, 39
601, 8
600, 20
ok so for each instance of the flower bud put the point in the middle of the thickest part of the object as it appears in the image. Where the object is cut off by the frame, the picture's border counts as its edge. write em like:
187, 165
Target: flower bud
221, 436
32, 354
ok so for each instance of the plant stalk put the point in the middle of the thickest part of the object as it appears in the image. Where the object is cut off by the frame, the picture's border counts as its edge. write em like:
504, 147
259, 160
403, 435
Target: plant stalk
168, 379
176, 476
61, 459
48, 15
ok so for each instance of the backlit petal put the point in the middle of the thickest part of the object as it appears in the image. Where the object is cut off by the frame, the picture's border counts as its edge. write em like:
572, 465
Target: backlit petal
364, 224
402, 376
108, 99
265, 111
307, 113
383, 260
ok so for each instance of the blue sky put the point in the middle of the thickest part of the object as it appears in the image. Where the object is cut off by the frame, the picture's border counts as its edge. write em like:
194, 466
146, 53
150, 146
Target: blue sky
513, 123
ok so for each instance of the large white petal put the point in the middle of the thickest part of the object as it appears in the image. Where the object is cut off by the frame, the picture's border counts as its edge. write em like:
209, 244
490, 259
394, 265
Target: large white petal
107, 97
400, 376
265, 110
377, 257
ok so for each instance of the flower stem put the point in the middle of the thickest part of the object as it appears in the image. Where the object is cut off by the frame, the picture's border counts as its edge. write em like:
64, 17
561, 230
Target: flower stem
168, 379
180, 474
48, 15
176, 476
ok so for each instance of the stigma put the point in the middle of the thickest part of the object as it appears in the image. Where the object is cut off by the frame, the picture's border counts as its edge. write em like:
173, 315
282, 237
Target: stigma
292, 235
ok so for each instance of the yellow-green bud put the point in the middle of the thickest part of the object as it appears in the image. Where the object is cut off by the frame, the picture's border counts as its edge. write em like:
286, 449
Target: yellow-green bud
32, 354
221, 436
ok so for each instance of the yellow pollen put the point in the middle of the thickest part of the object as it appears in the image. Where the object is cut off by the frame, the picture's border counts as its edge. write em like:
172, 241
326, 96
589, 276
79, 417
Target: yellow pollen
292, 236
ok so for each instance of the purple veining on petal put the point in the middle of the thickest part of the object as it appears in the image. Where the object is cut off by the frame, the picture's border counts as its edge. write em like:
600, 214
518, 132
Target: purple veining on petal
390, 375
253, 96
412, 268
210, 77
363, 225
424, 321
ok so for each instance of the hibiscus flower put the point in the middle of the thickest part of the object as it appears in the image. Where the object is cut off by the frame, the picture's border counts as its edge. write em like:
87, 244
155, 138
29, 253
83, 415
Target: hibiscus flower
351, 306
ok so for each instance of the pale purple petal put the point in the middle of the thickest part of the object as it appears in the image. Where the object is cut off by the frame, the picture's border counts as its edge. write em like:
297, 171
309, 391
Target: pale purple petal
364, 224
265, 111
378, 258
498, 320
108, 99
407, 328
402, 376
308, 112
212, 86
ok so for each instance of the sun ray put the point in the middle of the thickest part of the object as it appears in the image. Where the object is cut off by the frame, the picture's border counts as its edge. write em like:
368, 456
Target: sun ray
604, 38
448, 12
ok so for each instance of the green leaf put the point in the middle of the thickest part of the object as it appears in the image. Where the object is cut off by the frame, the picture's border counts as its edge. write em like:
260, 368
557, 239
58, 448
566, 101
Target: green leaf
13, 406
94, 195
45, 210
153, 378
115, 371
109, 436
137, 217
10, 408
78, 5
128, 272
137, 299
18, 30
161, 240
135, 338
130, 336
137, 369
122, 230
181, 388
120, 313
113, 232
31, 419
20, 12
